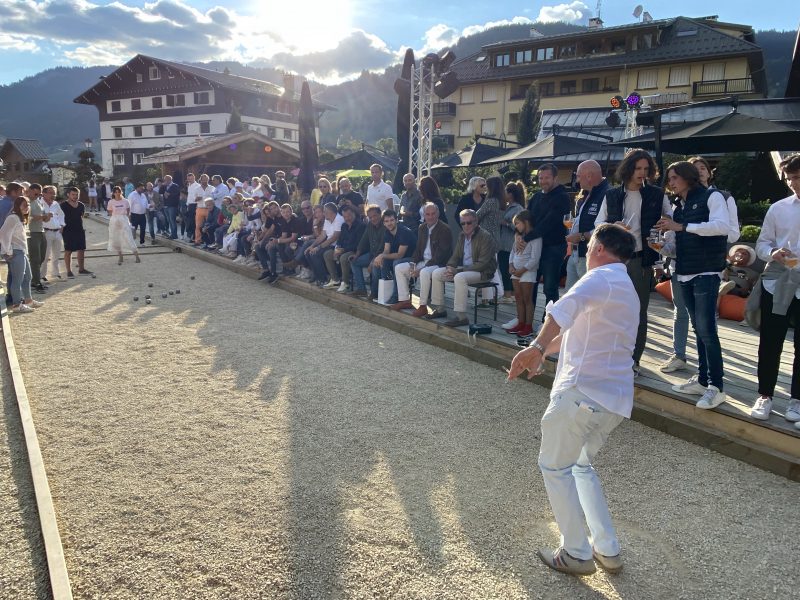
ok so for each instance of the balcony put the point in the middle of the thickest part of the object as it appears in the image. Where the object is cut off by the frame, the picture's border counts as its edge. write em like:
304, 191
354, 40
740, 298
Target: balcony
724, 87
444, 109
449, 140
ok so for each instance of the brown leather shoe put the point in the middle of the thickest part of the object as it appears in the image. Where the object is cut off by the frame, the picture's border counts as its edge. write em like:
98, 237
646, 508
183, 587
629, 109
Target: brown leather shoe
456, 322
439, 313
359, 293
402, 305
421, 311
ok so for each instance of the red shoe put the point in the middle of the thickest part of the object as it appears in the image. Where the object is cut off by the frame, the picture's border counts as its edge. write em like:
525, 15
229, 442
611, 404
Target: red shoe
515, 330
525, 330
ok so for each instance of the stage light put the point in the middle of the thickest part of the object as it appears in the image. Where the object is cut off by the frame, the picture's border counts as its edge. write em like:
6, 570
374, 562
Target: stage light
617, 102
634, 99
267, 149
232, 147
613, 120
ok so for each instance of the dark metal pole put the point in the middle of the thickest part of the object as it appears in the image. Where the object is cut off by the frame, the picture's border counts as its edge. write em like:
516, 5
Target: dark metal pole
657, 146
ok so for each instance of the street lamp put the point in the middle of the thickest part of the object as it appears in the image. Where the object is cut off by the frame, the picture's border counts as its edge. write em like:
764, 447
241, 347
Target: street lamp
88, 143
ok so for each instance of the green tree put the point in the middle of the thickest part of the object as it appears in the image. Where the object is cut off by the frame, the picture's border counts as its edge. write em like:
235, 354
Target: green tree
235, 121
530, 117
86, 168
734, 174
387, 145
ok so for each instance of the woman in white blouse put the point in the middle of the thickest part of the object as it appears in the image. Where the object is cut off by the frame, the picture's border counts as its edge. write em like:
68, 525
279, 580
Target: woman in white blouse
14, 249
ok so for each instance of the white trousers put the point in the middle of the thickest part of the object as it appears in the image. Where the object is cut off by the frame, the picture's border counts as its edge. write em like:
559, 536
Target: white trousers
573, 430
55, 245
460, 281
402, 274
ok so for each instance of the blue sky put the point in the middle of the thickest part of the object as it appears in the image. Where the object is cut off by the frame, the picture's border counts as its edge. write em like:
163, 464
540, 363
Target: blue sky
324, 39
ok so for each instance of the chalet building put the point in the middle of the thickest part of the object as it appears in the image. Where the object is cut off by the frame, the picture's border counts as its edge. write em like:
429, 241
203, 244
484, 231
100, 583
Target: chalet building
669, 62
24, 160
149, 105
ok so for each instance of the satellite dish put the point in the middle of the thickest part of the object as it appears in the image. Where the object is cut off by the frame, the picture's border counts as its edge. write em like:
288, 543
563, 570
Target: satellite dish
647, 17
637, 12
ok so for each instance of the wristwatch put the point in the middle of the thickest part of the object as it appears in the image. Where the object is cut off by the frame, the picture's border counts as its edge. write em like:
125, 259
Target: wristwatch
538, 346
583, 237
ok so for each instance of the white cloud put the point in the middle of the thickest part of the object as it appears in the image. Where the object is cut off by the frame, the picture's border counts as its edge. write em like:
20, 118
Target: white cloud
568, 13
17, 43
441, 35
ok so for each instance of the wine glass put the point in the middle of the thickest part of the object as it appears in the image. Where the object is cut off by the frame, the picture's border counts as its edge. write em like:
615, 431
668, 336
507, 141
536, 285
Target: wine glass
792, 260
568, 219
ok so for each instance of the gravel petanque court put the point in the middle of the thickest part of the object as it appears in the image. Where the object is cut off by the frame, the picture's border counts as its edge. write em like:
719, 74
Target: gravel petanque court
239, 441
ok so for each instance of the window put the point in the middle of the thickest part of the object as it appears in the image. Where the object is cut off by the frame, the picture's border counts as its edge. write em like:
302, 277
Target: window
544, 54
181, 128
647, 79
502, 60
118, 158
611, 83
136, 104
201, 97
714, 72
489, 93
137, 131
679, 76
117, 132
618, 45
154, 73
520, 91
590, 86
547, 89
271, 132
642, 41
116, 106
287, 134
513, 123
139, 78
568, 87
137, 158
465, 129
488, 126
205, 126
159, 129
176, 100
25, 166
567, 51
158, 101
523, 56
467, 95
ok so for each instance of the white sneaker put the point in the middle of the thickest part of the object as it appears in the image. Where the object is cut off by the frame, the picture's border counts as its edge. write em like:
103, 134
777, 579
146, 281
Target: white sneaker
35, 304
332, 284
307, 274
691, 387
238, 260
511, 324
711, 399
343, 288
674, 363
761, 408
792, 413
23, 308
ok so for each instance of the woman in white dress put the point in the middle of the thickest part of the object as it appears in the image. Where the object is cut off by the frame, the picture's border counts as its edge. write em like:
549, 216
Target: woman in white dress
120, 234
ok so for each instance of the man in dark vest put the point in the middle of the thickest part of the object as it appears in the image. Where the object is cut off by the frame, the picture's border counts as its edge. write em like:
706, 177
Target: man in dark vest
594, 187
701, 226
547, 208
638, 206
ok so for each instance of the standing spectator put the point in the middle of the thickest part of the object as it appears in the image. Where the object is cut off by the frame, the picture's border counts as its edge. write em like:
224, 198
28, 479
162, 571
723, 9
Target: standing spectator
194, 194
91, 192
430, 192
73, 233
370, 246
14, 249
524, 266
139, 204
128, 187
637, 205
594, 186
120, 235
220, 190
104, 194
547, 209
476, 191
433, 250
707, 180
410, 202
779, 246
12, 191
474, 259
281, 188
52, 234
489, 214
37, 245
701, 228
398, 246
379, 192
203, 191
347, 243
515, 198
171, 192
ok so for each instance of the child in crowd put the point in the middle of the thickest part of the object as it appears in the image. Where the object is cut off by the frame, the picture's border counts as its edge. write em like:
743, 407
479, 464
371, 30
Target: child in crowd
523, 267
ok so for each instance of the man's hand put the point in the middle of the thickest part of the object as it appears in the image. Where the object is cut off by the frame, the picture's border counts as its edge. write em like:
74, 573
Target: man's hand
519, 243
573, 238
338, 252
313, 250
530, 360
378, 260
780, 255
667, 224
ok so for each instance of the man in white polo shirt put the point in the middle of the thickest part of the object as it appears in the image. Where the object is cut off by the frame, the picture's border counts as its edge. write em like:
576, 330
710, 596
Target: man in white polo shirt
593, 327
379, 192
139, 203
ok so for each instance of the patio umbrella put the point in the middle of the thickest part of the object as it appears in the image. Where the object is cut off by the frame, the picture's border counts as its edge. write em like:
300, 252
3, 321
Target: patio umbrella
733, 132
404, 121
354, 173
309, 156
469, 157
549, 147
361, 159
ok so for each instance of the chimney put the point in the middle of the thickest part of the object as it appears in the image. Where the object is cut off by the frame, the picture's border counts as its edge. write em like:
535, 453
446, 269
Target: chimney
288, 85
595, 23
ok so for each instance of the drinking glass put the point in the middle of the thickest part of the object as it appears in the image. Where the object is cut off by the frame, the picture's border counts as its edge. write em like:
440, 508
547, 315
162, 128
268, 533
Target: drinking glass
568, 220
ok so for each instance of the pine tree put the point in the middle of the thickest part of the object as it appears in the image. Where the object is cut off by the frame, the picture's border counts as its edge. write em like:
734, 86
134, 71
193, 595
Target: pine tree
530, 117
235, 122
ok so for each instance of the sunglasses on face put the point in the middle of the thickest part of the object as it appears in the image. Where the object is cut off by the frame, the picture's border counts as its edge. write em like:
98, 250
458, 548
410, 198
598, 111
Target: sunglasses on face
468, 222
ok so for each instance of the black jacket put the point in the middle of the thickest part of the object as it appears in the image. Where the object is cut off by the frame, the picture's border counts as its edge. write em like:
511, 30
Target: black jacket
548, 210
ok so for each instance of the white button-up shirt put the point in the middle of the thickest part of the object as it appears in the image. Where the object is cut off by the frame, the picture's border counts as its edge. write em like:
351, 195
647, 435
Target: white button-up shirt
56, 221
598, 317
193, 192
139, 202
781, 229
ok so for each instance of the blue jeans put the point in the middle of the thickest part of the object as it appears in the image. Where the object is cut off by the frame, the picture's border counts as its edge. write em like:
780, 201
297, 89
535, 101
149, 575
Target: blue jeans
550, 271
151, 223
358, 275
172, 216
576, 268
387, 272
19, 280
680, 320
700, 296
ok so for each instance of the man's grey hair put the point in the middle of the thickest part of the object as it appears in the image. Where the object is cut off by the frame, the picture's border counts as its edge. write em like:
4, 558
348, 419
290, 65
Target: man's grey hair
468, 212
428, 205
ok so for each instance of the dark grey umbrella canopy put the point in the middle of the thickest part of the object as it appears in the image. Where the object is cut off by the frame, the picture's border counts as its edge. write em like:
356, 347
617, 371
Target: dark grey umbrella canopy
404, 121
469, 157
549, 147
309, 154
733, 132
362, 159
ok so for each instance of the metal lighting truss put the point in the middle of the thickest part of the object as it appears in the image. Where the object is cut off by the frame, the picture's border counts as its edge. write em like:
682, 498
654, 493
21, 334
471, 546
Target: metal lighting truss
420, 135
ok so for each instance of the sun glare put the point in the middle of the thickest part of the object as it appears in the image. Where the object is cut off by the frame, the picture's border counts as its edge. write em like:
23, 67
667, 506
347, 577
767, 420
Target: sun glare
306, 25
